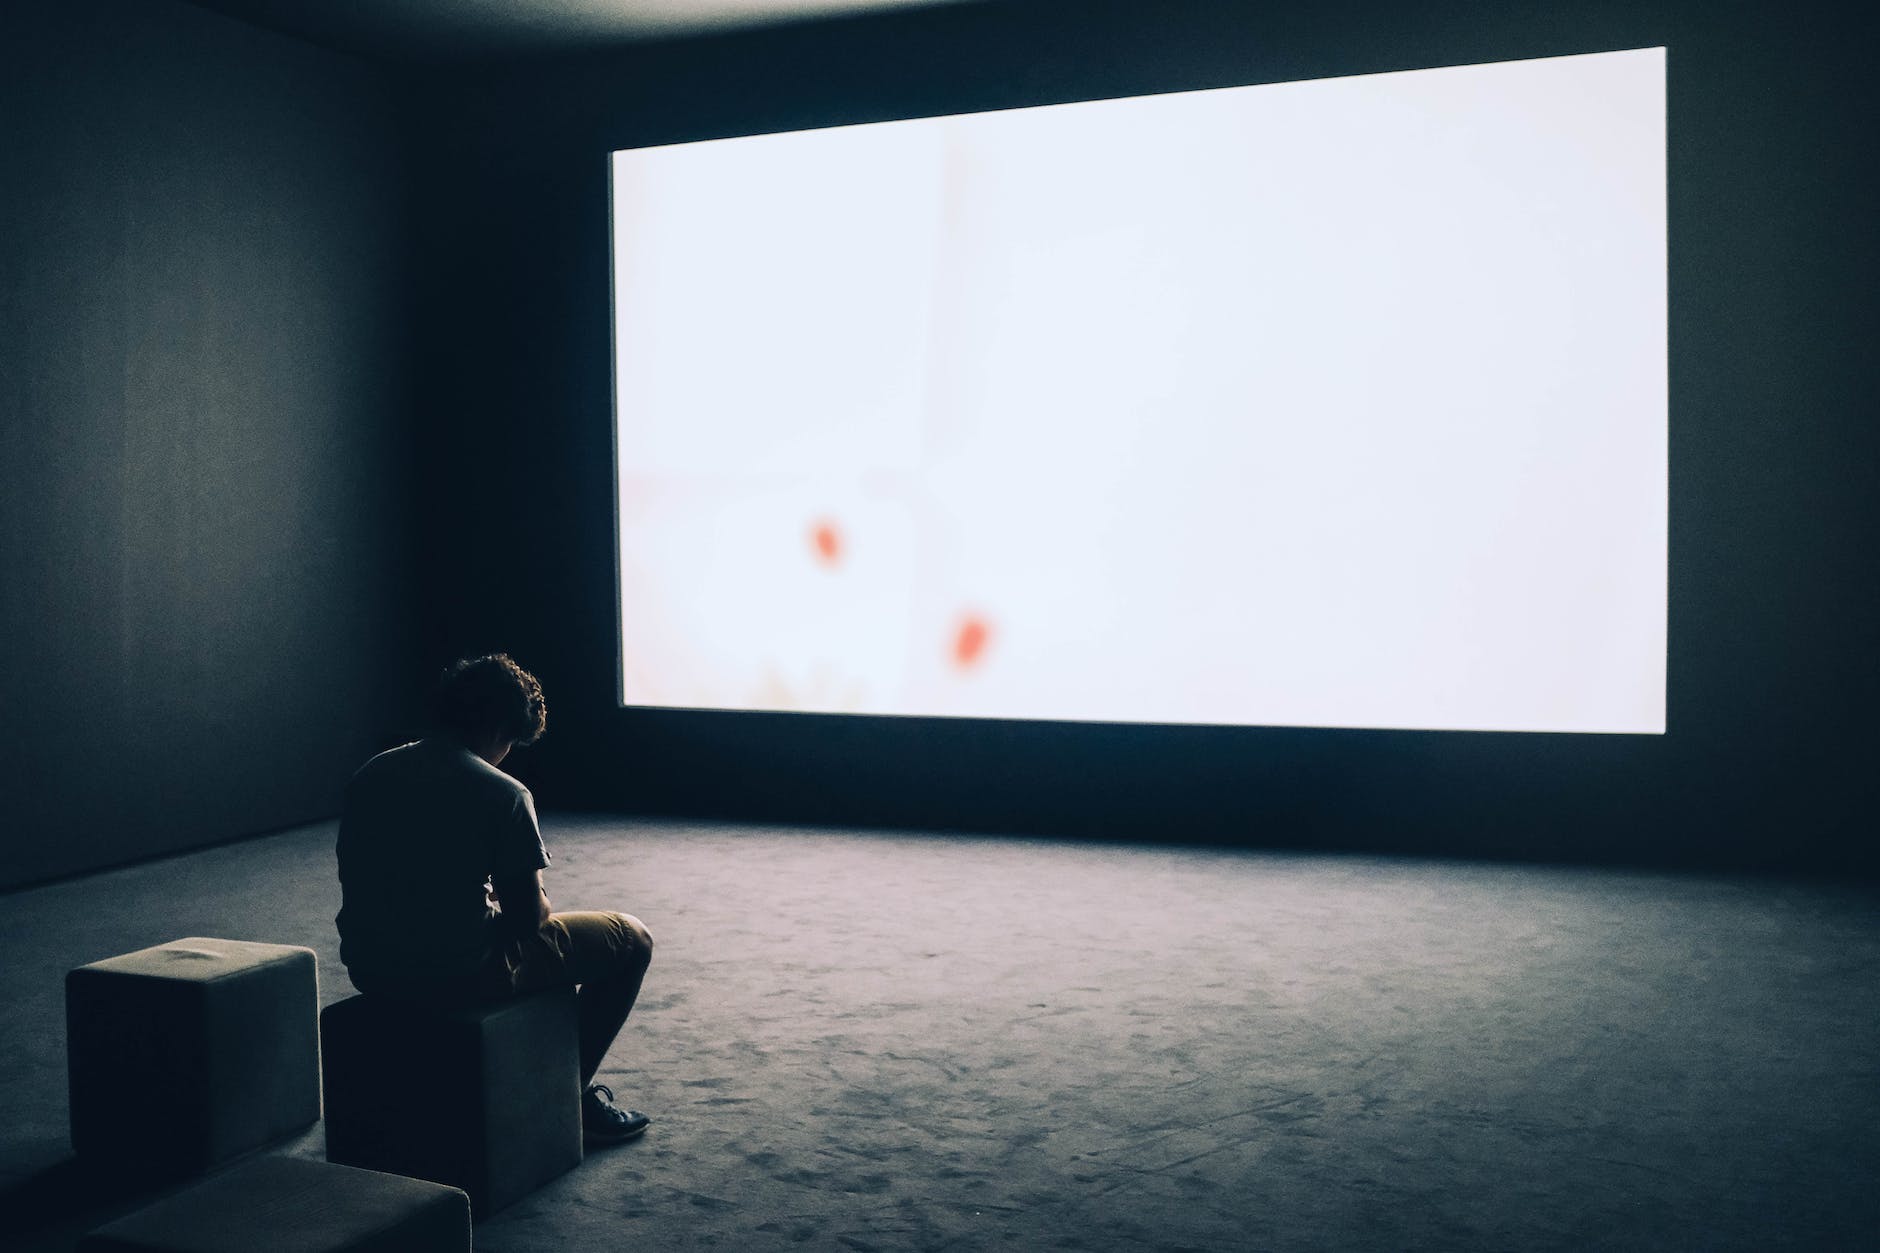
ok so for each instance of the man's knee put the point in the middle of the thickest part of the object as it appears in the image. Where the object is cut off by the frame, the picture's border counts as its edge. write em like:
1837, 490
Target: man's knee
636, 940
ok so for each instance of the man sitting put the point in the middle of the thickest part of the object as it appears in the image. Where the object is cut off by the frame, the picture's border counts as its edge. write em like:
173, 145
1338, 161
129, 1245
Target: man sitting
440, 870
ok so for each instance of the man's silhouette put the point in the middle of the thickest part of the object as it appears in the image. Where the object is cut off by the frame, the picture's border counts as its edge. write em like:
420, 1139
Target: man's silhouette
440, 870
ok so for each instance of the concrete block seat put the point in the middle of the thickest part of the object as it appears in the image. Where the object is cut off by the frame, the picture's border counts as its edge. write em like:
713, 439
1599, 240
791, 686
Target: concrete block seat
487, 1098
292, 1205
191, 1053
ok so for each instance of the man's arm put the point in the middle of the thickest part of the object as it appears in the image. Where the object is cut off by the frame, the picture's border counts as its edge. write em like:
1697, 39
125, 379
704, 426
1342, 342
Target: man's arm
523, 902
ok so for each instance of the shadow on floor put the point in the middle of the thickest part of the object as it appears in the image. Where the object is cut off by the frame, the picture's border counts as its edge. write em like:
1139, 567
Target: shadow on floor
55, 1205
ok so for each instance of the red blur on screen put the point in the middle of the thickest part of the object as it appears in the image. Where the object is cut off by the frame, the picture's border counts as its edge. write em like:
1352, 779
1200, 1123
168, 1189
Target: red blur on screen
827, 541
969, 642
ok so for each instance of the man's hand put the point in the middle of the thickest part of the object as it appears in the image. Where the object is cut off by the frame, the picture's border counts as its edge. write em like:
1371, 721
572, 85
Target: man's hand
523, 902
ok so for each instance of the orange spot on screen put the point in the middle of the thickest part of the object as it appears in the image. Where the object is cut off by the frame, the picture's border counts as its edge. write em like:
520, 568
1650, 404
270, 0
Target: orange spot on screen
969, 641
826, 541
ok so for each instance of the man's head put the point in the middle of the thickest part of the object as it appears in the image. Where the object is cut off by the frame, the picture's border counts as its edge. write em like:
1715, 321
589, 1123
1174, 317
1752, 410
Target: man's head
490, 703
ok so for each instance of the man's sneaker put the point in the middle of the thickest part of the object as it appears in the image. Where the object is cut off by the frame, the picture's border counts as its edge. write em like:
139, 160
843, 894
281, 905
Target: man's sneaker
603, 1122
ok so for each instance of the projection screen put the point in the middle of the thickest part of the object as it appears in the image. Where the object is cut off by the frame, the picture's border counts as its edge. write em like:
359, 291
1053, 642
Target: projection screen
1334, 403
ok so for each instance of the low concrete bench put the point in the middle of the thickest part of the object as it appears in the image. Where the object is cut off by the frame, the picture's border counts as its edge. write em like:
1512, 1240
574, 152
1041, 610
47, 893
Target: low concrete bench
487, 1099
191, 1053
291, 1205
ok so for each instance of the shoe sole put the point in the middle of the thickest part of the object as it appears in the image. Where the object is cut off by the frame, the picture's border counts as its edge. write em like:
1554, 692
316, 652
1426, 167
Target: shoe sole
596, 1141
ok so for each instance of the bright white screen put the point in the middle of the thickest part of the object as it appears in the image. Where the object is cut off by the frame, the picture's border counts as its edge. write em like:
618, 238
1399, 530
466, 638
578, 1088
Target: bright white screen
1337, 403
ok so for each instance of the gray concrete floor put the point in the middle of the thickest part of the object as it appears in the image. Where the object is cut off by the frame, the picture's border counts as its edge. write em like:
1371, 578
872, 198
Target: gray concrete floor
888, 1041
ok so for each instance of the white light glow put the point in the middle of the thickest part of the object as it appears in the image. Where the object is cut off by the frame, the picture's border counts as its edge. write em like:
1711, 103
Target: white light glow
1337, 403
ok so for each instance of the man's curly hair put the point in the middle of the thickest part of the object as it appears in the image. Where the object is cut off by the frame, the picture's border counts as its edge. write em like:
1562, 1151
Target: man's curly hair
480, 697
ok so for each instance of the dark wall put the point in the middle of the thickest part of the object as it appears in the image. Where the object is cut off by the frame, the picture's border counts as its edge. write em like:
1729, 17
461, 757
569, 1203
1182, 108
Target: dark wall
1773, 443
206, 614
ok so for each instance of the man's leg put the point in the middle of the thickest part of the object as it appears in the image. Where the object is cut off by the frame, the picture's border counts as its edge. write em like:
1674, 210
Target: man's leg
606, 956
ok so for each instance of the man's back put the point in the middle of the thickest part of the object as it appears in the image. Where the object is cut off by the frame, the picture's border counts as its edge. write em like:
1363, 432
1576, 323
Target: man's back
424, 827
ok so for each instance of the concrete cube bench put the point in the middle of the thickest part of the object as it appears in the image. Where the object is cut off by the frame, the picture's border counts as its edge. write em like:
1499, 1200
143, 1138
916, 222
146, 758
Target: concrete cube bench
191, 1053
487, 1099
291, 1205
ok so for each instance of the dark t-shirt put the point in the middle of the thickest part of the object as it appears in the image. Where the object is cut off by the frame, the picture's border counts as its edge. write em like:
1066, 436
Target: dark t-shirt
424, 829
